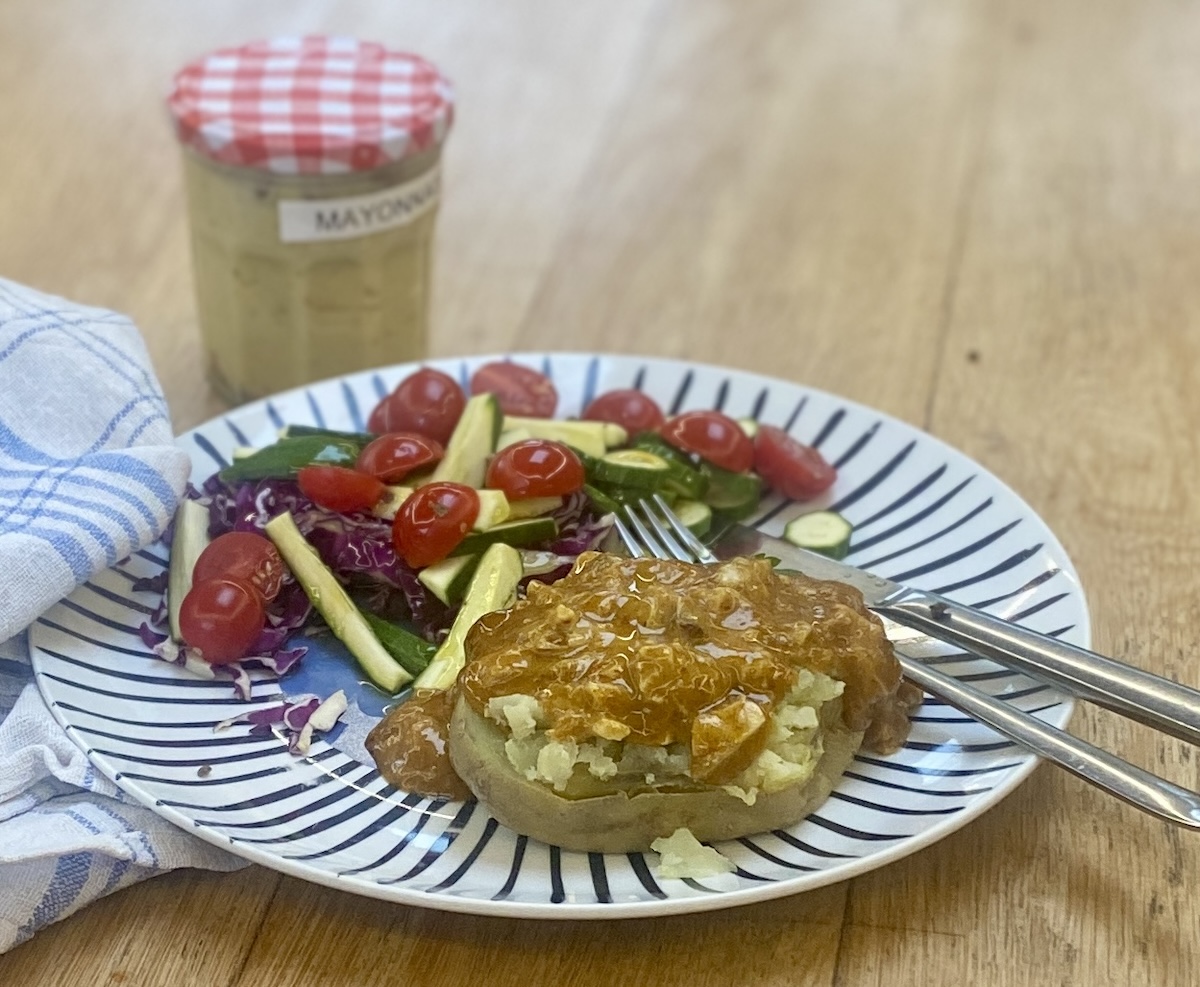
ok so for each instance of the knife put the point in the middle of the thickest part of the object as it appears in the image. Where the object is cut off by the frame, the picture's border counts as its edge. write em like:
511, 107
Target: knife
1133, 692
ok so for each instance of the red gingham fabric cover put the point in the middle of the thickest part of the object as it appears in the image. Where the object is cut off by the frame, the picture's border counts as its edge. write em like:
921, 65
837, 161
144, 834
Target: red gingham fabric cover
310, 105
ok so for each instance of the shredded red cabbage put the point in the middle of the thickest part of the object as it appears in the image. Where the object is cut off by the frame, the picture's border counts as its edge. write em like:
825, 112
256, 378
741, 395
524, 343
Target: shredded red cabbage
358, 548
289, 718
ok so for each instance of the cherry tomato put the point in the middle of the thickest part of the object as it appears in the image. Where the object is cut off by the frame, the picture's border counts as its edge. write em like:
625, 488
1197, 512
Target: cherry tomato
431, 522
520, 390
393, 456
716, 437
428, 402
244, 556
221, 618
631, 409
338, 488
795, 470
535, 468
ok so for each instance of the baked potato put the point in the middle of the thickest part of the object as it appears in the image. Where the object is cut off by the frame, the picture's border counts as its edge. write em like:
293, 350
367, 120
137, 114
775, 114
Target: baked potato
637, 697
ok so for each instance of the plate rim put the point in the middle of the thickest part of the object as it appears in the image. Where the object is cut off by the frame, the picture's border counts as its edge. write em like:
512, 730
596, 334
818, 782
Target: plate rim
566, 910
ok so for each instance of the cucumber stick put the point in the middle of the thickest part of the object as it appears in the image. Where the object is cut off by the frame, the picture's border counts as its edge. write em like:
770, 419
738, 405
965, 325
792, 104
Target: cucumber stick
531, 507
593, 438
472, 442
291, 431
527, 531
288, 456
409, 649
339, 611
448, 580
493, 587
493, 506
190, 539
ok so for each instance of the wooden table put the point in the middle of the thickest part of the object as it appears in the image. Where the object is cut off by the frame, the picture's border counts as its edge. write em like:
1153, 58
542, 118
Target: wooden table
983, 218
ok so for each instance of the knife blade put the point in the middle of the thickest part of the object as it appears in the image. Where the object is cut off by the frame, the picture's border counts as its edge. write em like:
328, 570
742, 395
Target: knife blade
1131, 691
737, 540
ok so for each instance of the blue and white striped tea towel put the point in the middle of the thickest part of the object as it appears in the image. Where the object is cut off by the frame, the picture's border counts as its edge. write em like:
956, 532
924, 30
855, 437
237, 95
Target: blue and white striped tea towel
88, 474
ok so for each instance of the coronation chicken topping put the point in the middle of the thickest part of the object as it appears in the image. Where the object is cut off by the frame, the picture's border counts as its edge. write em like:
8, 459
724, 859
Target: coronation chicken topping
666, 669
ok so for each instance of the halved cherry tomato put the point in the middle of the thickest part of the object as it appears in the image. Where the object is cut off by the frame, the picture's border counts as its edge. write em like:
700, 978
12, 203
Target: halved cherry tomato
393, 456
630, 408
789, 467
244, 556
222, 619
535, 468
716, 437
520, 390
338, 488
432, 521
428, 402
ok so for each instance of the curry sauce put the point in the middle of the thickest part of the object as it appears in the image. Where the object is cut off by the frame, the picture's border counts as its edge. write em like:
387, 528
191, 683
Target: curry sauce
659, 652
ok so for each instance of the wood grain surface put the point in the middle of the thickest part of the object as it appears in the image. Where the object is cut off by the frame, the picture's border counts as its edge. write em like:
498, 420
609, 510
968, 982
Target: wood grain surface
983, 218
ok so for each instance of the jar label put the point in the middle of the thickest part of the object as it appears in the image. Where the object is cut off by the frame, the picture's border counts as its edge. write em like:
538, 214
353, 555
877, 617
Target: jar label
309, 220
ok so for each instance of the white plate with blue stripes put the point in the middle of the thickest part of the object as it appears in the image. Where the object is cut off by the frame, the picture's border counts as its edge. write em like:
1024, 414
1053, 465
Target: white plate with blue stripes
923, 514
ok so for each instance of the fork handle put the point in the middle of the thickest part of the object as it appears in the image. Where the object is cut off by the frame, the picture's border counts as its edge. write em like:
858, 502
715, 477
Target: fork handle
1124, 780
1133, 692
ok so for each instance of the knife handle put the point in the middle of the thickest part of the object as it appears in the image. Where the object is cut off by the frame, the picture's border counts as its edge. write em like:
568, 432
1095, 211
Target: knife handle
1133, 692
1134, 785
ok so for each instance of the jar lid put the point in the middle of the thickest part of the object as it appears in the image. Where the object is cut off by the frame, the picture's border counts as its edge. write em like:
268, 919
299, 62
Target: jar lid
310, 105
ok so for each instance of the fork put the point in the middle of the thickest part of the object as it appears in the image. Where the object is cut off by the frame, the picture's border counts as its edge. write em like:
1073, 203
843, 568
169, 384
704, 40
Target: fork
653, 530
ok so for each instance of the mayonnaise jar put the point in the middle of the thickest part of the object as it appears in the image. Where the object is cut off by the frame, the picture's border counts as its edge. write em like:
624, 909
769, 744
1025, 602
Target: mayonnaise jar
312, 170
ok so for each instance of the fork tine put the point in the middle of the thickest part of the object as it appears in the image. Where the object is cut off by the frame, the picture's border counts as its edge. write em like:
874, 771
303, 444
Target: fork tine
664, 535
636, 548
698, 549
651, 544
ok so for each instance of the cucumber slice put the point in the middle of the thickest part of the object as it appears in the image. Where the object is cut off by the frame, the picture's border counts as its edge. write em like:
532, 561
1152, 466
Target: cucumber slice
472, 442
288, 456
448, 579
604, 502
190, 539
655, 443
686, 478
493, 587
409, 649
633, 468
825, 532
528, 531
729, 491
339, 611
694, 515
687, 482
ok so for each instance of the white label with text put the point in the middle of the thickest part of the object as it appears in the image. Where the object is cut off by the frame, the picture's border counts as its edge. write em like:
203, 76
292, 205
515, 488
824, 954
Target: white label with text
310, 220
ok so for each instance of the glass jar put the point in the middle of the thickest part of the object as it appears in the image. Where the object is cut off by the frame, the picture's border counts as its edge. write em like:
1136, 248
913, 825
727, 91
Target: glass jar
312, 171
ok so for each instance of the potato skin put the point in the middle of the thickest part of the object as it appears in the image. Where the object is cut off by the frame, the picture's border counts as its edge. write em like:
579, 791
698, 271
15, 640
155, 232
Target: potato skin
621, 823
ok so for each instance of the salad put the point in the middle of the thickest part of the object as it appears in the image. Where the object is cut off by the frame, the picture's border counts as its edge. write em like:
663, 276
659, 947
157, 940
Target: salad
399, 538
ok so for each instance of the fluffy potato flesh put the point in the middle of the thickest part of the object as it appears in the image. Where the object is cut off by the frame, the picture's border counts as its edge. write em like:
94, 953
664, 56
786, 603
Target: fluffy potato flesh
628, 819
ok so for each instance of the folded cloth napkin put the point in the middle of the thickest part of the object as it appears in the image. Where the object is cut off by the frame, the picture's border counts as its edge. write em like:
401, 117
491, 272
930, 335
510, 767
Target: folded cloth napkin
88, 475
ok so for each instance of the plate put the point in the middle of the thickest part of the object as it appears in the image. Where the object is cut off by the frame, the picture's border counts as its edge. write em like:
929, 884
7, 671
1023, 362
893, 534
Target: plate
923, 514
